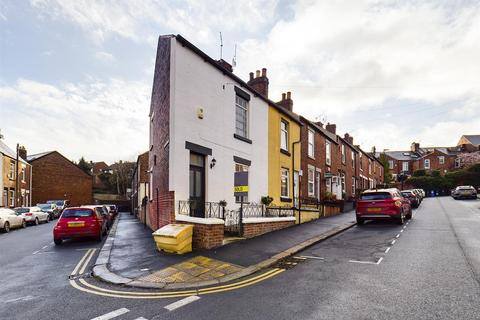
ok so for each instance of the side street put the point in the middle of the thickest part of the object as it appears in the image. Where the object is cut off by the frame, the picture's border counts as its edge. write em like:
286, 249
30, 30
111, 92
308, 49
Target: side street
290, 182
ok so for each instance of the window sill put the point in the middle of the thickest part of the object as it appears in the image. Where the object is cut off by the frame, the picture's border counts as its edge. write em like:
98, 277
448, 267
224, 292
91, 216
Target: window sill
310, 157
236, 136
282, 199
285, 152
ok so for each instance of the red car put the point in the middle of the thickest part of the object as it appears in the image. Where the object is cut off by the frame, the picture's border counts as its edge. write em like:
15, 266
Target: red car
381, 204
80, 223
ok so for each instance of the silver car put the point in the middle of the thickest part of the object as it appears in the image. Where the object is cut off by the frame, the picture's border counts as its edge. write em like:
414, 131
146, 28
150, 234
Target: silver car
464, 192
33, 215
9, 219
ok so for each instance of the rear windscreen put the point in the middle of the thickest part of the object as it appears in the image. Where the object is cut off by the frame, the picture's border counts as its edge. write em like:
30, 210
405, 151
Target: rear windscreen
22, 210
75, 213
376, 196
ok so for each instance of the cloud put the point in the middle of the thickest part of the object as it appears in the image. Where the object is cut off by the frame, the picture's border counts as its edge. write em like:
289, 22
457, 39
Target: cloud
103, 120
104, 56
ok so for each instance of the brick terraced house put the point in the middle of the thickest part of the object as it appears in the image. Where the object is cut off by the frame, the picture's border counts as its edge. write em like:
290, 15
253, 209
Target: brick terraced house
15, 177
55, 177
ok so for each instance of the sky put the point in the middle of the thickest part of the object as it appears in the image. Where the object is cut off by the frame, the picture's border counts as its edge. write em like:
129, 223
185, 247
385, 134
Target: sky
76, 76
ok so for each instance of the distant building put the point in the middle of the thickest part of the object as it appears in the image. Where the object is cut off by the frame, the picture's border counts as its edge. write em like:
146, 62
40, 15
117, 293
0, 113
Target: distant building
99, 168
55, 177
473, 140
140, 189
15, 178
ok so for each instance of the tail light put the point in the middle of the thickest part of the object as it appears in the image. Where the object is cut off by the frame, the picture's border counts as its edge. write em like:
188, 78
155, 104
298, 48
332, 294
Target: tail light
28, 214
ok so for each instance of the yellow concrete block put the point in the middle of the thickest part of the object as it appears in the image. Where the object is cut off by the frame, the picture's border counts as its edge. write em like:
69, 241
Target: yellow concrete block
174, 238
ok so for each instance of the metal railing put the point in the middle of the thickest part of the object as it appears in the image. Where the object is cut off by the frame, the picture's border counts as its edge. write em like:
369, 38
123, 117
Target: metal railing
194, 208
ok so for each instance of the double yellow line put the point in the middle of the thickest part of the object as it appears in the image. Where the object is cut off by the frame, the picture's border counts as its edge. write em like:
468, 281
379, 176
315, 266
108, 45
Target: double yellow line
84, 286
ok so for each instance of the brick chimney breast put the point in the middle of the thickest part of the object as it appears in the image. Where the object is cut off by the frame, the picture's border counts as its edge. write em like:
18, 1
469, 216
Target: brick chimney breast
286, 101
331, 127
22, 152
415, 147
260, 82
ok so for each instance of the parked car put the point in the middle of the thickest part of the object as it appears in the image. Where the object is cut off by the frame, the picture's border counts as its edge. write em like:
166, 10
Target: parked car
381, 204
33, 215
50, 208
462, 192
413, 197
80, 222
420, 193
112, 208
61, 204
103, 209
9, 219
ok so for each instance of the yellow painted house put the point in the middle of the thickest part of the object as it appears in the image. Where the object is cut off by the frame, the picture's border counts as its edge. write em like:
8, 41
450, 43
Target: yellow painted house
283, 153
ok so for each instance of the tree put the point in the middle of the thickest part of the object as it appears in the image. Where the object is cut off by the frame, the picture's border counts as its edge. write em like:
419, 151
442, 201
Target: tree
468, 159
387, 176
85, 166
121, 177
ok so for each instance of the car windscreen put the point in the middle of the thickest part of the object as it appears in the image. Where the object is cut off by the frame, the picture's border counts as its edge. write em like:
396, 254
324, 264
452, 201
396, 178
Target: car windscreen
376, 196
77, 213
407, 194
59, 203
466, 189
44, 206
21, 210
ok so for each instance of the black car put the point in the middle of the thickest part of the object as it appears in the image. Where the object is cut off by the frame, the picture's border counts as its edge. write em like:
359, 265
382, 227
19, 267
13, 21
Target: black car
413, 197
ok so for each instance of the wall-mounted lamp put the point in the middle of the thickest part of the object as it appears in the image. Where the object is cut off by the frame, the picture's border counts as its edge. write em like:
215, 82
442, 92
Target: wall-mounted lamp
212, 163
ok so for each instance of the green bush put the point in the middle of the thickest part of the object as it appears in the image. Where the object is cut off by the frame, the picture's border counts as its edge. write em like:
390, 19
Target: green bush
419, 173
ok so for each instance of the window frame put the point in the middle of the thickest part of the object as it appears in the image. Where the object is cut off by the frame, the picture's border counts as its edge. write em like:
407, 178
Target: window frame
237, 165
425, 161
311, 143
441, 159
284, 173
328, 153
245, 110
403, 165
12, 198
11, 170
311, 182
344, 155
284, 134
391, 165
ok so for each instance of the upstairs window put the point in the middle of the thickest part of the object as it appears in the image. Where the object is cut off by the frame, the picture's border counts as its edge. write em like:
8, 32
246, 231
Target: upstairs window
458, 163
23, 175
405, 166
11, 171
426, 163
311, 143
361, 161
369, 166
284, 135
328, 153
284, 183
353, 159
344, 155
241, 116
441, 160
390, 164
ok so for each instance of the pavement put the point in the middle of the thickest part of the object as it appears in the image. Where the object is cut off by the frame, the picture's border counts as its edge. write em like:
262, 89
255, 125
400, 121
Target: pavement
427, 269
129, 256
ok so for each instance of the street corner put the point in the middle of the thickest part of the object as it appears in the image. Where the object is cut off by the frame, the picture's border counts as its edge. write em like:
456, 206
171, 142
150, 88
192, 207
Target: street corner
197, 269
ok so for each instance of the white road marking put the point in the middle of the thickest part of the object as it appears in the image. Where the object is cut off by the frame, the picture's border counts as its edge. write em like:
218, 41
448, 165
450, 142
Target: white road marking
80, 262
25, 298
141, 318
388, 249
397, 236
366, 262
82, 270
181, 303
393, 241
36, 252
312, 257
112, 314
401, 230
45, 246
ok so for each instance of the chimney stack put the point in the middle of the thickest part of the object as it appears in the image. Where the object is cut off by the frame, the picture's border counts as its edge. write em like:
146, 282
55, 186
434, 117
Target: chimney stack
260, 82
286, 101
318, 123
348, 138
331, 128
415, 147
22, 153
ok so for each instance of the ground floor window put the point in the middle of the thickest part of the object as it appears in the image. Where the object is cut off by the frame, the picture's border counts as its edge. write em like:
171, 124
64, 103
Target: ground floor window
12, 198
241, 168
353, 187
284, 183
328, 182
311, 181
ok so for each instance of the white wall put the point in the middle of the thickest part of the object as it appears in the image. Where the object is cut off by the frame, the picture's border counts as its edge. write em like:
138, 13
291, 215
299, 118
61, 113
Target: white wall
196, 83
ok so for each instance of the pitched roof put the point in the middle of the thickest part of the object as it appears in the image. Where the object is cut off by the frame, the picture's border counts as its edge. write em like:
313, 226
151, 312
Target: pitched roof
322, 130
4, 149
403, 155
232, 76
34, 157
474, 139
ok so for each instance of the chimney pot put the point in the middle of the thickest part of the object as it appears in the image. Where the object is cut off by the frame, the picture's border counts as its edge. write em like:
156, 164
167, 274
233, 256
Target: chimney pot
264, 72
251, 76
22, 152
331, 127
289, 95
257, 74
283, 96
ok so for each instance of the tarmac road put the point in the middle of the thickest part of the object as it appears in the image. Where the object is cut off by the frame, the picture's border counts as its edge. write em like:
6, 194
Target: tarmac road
426, 269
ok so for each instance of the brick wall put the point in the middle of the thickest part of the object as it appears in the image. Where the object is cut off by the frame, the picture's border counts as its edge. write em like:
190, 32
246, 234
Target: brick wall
251, 230
206, 236
161, 200
56, 177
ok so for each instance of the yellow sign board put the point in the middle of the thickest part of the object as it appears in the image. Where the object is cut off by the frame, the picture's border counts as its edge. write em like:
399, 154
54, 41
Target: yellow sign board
240, 189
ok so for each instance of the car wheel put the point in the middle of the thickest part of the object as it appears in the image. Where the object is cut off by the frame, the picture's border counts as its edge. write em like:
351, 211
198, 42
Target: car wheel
401, 220
57, 241
409, 216
24, 224
360, 221
48, 219
100, 237
6, 227
36, 221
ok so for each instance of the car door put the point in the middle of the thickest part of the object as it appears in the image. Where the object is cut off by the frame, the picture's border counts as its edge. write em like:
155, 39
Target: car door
15, 221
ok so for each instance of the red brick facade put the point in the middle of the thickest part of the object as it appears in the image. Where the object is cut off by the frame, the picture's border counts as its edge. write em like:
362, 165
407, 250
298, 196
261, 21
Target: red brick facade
206, 236
55, 177
162, 199
251, 230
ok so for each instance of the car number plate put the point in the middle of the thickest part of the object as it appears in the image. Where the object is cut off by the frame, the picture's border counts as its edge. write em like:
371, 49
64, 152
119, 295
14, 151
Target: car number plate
374, 209
76, 224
